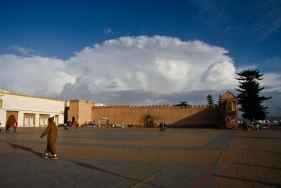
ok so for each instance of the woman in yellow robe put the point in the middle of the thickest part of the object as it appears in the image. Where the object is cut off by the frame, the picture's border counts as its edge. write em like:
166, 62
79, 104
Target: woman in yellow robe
52, 133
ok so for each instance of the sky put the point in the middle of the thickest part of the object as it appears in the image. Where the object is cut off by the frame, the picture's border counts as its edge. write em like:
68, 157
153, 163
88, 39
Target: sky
141, 52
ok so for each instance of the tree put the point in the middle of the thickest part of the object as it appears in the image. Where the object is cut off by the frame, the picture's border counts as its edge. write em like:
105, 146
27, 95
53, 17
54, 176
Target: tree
183, 103
248, 98
210, 100
219, 101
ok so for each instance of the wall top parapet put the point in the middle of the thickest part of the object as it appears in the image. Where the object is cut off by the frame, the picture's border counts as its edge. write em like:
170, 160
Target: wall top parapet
155, 107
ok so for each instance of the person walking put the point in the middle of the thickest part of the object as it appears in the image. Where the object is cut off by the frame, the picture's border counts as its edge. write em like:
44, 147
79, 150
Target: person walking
160, 126
52, 133
257, 126
7, 126
15, 126
164, 127
248, 126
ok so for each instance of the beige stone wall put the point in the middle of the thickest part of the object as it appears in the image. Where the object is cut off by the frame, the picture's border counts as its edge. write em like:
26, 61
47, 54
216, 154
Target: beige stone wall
195, 116
85, 111
81, 110
73, 111
172, 116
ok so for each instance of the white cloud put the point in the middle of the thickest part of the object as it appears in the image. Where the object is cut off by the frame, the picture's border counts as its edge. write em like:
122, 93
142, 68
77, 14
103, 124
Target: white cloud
107, 31
227, 29
33, 75
155, 64
24, 51
260, 17
128, 70
271, 81
247, 67
270, 20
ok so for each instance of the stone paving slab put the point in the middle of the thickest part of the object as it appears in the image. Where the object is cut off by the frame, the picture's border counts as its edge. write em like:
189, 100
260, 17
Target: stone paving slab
135, 157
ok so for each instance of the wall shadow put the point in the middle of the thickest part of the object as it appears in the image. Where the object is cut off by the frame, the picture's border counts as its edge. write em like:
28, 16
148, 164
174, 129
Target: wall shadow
16, 146
206, 118
111, 173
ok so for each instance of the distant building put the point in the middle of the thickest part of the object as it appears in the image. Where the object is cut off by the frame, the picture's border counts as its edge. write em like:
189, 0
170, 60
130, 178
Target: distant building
29, 111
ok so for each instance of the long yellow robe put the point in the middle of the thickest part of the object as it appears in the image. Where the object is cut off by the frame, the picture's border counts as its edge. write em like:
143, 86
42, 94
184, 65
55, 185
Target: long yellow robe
52, 133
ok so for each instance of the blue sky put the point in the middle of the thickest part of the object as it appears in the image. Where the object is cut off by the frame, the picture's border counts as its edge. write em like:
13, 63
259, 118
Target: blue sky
139, 52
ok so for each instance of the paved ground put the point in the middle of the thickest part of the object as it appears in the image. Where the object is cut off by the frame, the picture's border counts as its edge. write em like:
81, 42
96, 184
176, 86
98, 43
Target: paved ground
136, 157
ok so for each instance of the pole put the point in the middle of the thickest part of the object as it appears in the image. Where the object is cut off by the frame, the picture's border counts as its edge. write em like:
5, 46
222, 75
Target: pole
278, 108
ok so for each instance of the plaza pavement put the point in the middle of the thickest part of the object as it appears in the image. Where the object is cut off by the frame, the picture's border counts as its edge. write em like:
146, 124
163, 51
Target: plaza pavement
136, 157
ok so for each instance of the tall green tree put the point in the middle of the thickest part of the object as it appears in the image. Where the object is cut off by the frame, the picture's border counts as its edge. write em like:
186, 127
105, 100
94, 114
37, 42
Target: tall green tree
210, 100
249, 98
219, 101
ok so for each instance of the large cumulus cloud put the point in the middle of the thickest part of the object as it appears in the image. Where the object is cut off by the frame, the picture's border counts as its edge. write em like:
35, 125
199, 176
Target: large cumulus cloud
158, 64
128, 70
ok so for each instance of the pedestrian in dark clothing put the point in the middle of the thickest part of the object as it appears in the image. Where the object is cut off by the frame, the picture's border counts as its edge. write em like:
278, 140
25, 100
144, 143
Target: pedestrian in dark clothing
160, 126
7, 126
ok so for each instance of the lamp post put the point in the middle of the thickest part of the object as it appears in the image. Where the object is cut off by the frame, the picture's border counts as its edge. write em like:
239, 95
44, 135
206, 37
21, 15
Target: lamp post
278, 112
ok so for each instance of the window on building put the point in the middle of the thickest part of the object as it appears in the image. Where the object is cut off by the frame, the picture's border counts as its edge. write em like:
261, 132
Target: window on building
29, 120
56, 119
233, 106
43, 120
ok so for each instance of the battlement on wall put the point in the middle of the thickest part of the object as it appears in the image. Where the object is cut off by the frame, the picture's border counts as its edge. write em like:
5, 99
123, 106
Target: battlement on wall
154, 107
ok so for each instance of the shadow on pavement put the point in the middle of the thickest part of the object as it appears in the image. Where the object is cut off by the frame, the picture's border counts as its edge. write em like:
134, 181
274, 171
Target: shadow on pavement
258, 166
249, 180
16, 146
112, 173
255, 137
270, 152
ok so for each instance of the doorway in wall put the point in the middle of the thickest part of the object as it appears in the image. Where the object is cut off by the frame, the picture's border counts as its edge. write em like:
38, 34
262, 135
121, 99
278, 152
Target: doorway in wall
149, 122
12, 117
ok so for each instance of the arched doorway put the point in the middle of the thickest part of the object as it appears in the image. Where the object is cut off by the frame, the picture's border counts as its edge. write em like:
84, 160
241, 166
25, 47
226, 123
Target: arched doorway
11, 120
149, 122
12, 117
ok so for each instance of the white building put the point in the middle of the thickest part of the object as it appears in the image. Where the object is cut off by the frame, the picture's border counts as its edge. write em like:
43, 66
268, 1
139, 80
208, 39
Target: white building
29, 111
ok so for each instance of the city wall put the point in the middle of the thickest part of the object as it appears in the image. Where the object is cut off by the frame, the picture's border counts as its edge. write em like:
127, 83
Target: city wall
197, 116
223, 116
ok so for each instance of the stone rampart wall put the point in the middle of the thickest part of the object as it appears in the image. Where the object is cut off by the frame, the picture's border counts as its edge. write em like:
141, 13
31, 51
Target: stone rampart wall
197, 115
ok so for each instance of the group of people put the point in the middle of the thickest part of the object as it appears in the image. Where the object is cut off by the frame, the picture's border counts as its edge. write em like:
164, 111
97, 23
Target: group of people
162, 126
8, 126
247, 126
